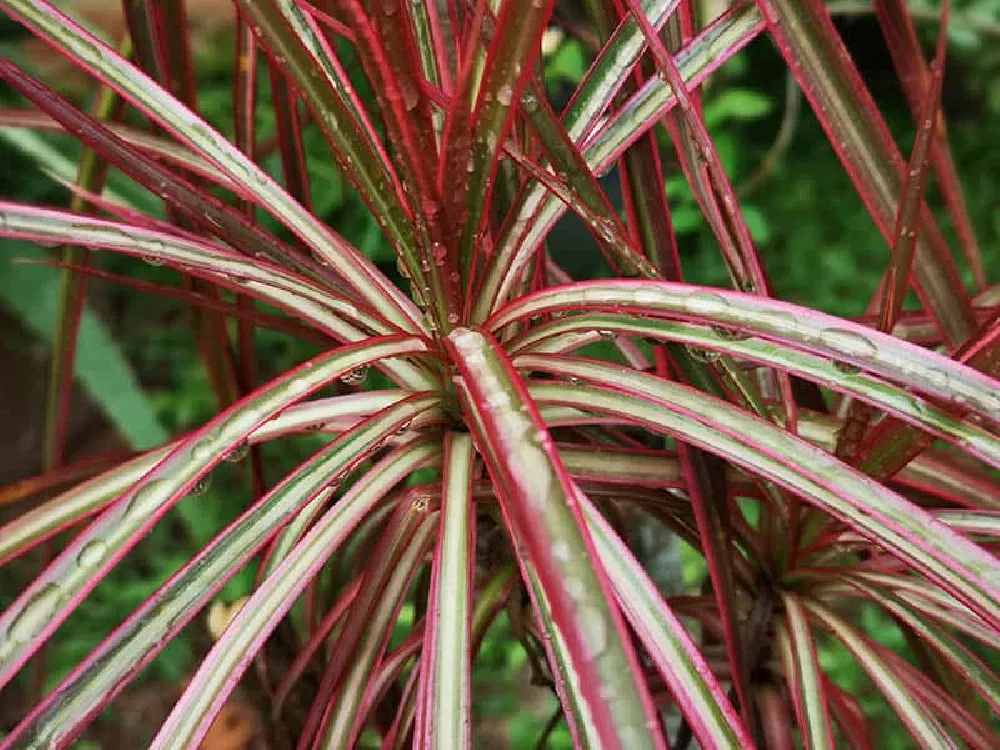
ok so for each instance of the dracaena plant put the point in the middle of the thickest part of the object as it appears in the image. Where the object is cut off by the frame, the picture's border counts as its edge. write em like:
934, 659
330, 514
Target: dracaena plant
818, 465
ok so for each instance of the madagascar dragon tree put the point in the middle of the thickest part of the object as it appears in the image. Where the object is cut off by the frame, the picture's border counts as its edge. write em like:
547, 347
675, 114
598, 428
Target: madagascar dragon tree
867, 448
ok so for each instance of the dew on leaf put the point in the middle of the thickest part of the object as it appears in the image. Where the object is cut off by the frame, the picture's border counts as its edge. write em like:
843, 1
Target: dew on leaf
238, 453
35, 613
92, 553
355, 377
848, 342
201, 486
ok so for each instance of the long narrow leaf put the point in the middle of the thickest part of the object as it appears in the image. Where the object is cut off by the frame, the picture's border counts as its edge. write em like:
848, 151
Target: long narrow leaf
539, 506
87, 50
803, 328
701, 698
924, 728
961, 567
233, 652
109, 668
446, 664
46, 603
810, 44
802, 670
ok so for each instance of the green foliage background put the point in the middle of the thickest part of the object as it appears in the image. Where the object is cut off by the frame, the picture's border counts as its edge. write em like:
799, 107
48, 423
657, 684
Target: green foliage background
820, 246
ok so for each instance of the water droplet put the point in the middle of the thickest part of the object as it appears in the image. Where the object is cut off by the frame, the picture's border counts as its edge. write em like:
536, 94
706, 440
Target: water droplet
238, 453
150, 494
707, 303
609, 335
401, 430
33, 616
505, 94
91, 553
529, 102
576, 588
453, 317
203, 450
595, 627
646, 297
730, 334
440, 253
355, 377
703, 355
848, 368
152, 259
561, 552
201, 486
848, 343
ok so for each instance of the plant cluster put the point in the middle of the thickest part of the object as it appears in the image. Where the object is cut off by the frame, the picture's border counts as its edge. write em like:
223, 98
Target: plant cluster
494, 429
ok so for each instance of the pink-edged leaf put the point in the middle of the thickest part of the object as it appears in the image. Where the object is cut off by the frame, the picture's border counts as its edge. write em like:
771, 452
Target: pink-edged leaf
540, 508
904, 236
964, 569
804, 33
301, 18
153, 145
959, 483
930, 601
73, 472
799, 327
387, 54
109, 668
923, 727
632, 467
897, 25
805, 680
972, 671
515, 47
444, 702
892, 445
850, 717
40, 523
566, 334
399, 731
197, 206
390, 545
907, 225
219, 673
704, 478
317, 639
341, 317
983, 523
701, 164
385, 51
234, 311
46, 603
536, 212
774, 712
343, 721
290, 145
566, 159
941, 703
677, 658
92, 54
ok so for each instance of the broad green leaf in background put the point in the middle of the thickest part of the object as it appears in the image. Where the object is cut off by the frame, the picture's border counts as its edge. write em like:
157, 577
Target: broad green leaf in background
32, 292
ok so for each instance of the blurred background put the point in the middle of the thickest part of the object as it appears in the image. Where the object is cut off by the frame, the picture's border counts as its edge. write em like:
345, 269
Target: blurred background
140, 378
